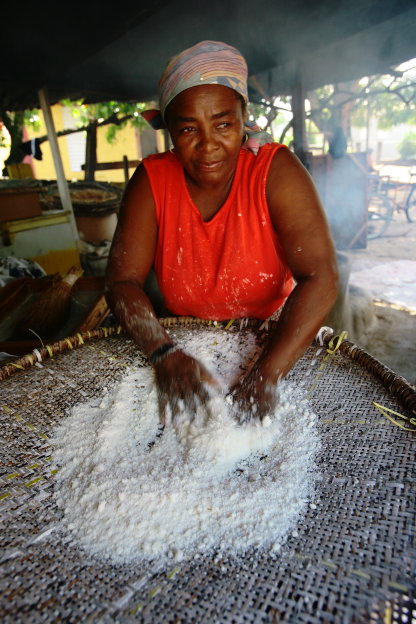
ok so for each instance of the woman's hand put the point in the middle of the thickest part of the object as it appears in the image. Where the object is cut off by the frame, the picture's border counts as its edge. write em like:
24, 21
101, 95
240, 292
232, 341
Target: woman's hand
180, 380
254, 396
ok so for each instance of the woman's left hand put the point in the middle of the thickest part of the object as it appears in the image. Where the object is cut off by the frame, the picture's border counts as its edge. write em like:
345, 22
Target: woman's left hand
254, 396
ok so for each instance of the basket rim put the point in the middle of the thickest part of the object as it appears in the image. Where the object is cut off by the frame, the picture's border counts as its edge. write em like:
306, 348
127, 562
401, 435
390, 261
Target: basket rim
397, 386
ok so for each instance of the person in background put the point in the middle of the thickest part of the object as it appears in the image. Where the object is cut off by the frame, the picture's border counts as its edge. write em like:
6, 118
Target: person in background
233, 226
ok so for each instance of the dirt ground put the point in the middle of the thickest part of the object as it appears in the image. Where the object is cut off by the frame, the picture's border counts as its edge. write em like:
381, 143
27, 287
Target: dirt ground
382, 297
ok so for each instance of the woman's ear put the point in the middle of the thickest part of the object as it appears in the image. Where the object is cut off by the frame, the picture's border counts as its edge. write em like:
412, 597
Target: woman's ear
244, 115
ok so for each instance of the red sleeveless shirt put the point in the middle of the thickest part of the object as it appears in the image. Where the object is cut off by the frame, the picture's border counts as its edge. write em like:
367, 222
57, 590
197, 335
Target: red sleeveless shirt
229, 267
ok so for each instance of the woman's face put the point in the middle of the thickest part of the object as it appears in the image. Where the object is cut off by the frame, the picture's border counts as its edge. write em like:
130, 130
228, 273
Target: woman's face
206, 124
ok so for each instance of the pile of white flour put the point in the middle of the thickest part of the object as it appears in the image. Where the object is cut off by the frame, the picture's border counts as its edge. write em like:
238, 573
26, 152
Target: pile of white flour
128, 493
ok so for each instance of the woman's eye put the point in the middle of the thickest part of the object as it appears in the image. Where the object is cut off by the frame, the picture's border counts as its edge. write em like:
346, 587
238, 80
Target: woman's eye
187, 130
224, 124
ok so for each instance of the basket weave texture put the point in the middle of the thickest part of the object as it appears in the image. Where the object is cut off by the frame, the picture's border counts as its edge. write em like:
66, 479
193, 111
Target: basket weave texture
95, 199
353, 559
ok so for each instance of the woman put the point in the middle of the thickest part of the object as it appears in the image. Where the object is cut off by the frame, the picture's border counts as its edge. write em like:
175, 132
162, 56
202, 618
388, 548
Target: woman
225, 229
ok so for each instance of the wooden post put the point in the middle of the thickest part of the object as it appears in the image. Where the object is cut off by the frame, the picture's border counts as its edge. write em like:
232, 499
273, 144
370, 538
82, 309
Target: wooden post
126, 169
91, 153
368, 126
299, 129
57, 160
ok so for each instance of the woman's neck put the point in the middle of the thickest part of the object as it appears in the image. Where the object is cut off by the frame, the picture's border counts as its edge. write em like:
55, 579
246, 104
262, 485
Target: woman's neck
210, 199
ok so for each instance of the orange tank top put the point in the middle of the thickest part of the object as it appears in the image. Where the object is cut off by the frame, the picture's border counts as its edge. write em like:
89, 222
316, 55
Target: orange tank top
229, 267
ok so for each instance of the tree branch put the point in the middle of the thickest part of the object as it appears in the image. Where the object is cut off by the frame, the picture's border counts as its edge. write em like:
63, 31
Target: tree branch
113, 119
284, 131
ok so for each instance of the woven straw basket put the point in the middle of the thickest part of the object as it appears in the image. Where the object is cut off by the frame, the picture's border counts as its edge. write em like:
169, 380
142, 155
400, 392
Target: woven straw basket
353, 559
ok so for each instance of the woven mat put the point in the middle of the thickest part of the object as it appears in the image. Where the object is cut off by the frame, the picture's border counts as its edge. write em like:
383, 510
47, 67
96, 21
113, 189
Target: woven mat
353, 559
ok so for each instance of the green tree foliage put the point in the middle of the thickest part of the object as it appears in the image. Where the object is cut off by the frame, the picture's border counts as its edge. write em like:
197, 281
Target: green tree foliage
276, 115
407, 146
14, 122
390, 98
272, 112
3, 138
115, 115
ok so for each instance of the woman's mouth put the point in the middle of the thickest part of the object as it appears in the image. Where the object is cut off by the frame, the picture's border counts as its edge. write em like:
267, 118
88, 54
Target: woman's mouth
210, 166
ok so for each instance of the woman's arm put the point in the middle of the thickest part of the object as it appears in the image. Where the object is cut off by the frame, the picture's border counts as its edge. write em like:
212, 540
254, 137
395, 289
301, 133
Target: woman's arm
303, 232
131, 258
179, 377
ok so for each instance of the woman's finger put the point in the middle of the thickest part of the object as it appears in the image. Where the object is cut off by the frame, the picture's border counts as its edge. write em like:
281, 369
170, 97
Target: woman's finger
163, 402
206, 376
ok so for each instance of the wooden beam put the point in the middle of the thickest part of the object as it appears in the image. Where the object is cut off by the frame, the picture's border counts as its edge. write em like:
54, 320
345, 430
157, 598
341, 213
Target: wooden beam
115, 165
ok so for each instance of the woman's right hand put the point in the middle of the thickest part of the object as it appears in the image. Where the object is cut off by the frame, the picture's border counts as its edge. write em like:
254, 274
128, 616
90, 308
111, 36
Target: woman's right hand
181, 386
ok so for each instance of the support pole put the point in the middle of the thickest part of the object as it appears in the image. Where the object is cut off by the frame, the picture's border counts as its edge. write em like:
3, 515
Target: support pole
91, 153
57, 160
126, 169
299, 128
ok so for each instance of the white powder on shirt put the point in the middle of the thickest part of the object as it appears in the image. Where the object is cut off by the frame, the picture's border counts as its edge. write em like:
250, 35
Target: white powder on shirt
129, 493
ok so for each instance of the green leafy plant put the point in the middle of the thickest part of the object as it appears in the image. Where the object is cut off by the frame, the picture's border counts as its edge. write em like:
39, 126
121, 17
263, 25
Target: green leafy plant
115, 115
407, 146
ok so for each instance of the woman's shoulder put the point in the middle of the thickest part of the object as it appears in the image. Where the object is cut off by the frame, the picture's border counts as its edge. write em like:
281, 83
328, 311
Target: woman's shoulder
258, 154
161, 165
270, 147
160, 158
157, 156
285, 163
258, 162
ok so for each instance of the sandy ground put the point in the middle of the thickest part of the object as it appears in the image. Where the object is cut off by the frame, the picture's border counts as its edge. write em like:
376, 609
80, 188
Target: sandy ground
382, 297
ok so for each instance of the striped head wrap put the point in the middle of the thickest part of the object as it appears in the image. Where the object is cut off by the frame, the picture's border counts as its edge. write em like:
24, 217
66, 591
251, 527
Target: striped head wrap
207, 62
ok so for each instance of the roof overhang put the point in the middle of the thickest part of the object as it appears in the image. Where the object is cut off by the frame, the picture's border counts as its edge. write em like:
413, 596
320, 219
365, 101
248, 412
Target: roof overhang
99, 54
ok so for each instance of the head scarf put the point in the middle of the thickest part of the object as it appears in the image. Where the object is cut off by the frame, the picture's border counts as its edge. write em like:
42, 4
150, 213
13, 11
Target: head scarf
207, 62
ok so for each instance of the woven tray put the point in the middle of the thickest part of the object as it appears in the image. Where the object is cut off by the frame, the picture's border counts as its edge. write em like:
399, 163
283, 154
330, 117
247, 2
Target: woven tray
89, 199
352, 561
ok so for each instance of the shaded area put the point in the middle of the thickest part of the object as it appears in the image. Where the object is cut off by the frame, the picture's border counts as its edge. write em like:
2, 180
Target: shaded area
102, 53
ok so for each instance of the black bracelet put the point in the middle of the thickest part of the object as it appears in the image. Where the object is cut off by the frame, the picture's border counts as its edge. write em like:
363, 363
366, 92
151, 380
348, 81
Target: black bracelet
160, 352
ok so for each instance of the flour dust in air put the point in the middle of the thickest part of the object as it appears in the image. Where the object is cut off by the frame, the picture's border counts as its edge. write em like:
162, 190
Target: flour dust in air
129, 493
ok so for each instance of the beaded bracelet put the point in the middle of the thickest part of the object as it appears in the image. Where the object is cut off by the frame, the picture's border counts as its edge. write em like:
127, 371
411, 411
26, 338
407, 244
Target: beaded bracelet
160, 352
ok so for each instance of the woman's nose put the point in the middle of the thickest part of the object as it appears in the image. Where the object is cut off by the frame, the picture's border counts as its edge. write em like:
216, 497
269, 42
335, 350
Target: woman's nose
207, 141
